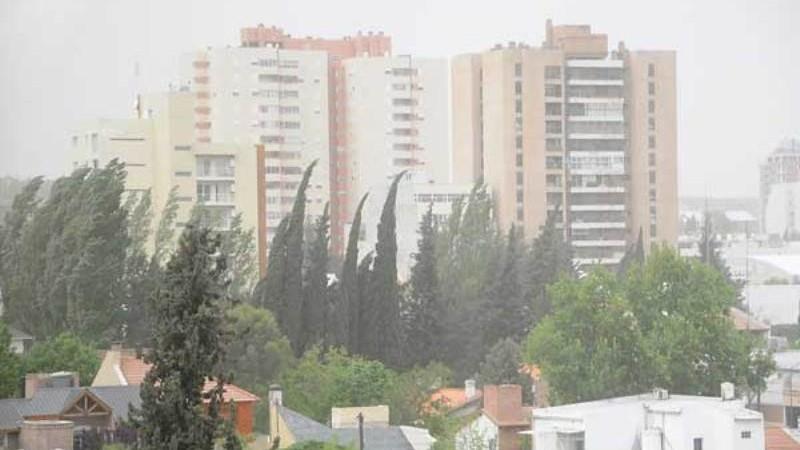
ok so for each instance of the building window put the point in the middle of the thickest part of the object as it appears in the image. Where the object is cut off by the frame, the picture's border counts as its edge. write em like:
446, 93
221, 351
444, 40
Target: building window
519, 177
183, 148
652, 177
518, 87
519, 196
652, 235
552, 90
651, 141
553, 126
651, 123
651, 70
552, 109
698, 443
553, 144
519, 160
746, 435
651, 106
520, 217
553, 162
651, 159
518, 69
553, 180
183, 173
552, 72
651, 88
518, 106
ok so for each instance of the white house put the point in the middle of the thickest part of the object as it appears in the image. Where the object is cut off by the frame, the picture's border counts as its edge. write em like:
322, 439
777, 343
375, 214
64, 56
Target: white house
656, 421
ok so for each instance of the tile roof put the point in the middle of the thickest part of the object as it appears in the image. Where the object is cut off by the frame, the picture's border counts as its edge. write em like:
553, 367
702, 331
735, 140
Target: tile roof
741, 323
453, 398
776, 438
375, 438
134, 370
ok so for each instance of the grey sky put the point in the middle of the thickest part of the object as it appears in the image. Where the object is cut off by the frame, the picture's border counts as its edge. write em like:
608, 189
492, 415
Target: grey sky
738, 62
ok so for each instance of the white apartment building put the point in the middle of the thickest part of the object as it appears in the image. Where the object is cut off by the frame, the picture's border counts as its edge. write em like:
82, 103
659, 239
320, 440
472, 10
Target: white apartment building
397, 119
657, 421
273, 97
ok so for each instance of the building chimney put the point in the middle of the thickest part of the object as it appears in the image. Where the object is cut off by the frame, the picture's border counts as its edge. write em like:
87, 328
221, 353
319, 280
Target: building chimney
469, 389
502, 402
275, 395
727, 392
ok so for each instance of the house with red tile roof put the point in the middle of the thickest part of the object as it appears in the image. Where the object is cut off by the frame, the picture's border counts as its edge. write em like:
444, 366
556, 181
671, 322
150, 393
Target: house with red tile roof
125, 367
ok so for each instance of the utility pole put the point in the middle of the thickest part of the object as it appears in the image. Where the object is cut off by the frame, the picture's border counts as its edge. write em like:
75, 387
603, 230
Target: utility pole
360, 418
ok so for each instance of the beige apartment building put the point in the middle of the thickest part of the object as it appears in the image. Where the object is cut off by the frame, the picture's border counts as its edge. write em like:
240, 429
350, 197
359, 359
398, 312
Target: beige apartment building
569, 128
158, 148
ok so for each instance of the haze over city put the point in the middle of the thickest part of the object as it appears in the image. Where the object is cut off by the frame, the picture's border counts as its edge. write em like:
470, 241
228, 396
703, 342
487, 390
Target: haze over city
66, 62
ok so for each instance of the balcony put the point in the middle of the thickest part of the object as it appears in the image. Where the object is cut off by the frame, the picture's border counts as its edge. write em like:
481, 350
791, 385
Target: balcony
600, 243
597, 261
606, 136
217, 199
584, 82
597, 189
598, 207
597, 225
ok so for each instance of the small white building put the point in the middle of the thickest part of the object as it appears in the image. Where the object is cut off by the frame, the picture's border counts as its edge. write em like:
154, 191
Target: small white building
656, 421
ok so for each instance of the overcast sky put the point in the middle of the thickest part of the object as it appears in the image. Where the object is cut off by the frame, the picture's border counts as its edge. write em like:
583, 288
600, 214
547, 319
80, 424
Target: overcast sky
62, 62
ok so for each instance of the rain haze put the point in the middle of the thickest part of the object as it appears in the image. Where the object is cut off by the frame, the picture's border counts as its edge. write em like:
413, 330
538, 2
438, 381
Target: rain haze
65, 62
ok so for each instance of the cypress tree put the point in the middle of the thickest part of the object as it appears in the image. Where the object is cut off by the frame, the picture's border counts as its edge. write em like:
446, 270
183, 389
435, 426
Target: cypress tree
507, 312
349, 319
383, 318
422, 311
188, 349
316, 284
549, 258
634, 255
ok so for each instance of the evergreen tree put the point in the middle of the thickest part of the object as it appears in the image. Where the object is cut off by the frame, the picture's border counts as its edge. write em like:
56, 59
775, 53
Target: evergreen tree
348, 320
634, 255
503, 365
9, 365
188, 349
550, 257
711, 255
140, 274
383, 329
422, 311
165, 230
315, 285
240, 247
363, 294
507, 311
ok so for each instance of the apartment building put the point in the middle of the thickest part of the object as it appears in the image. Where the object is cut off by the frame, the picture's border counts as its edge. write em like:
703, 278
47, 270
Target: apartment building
159, 151
336, 51
780, 168
571, 129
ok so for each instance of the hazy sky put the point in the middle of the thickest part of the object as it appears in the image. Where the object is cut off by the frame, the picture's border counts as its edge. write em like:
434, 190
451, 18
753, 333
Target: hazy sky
62, 62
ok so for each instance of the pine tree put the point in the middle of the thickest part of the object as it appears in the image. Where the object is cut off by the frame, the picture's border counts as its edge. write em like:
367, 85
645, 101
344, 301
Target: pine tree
315, 285
349, 318
422, 310
383, 329
711, 255
188, 349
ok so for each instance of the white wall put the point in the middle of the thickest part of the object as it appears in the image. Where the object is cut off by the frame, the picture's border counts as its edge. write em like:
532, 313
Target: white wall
477, 435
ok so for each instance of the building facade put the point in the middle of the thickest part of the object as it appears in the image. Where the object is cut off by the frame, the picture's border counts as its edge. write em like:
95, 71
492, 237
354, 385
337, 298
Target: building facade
780, 171
571, 129
335, 51
162, 156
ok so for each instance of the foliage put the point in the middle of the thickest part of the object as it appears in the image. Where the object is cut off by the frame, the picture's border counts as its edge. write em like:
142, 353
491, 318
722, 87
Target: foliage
68, 256
316, 445
65, 352
664, 324
188, 349
9, 365
141, 274
550, 258
239, 247
503, 365
165, 230
381, 330
320, 381
507, 312
409, 397
422, 310
314, 314
349, 307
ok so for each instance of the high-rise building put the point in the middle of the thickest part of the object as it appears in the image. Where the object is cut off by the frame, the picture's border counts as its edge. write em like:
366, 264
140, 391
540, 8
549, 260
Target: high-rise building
335, 51
157, 148
782, 166
571, 129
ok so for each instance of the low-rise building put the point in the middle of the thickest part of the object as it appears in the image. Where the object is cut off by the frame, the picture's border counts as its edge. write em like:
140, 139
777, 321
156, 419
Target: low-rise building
288, 427
500, 423
655, 421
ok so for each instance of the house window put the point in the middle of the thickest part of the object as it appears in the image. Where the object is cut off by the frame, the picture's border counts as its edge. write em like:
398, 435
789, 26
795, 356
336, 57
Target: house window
746, 435
698, 443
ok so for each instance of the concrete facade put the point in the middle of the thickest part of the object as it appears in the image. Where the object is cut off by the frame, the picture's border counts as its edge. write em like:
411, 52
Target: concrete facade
570, 129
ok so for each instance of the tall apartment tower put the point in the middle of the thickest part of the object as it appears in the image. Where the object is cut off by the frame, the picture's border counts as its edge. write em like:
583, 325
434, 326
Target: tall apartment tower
570, 129
782, 166
397, 111
335, 52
